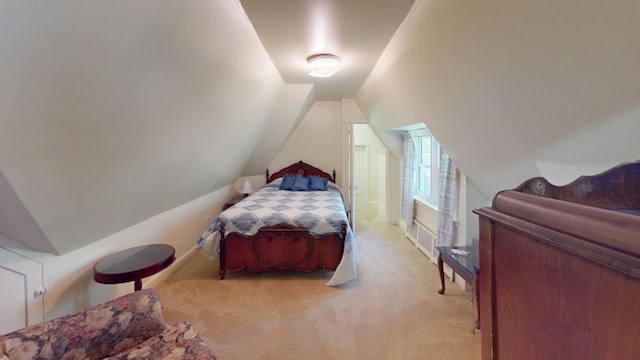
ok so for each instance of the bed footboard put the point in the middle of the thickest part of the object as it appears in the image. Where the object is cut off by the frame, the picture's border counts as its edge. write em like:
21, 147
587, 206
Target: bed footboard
281, 247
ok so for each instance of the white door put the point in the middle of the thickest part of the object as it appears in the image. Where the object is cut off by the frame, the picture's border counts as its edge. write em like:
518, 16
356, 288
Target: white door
368, 164
21, 300
351, 187
361, 177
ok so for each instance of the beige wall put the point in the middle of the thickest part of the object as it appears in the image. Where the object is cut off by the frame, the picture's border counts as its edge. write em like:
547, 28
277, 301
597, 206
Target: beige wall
69, 278
514, 88
316, 140
114, 112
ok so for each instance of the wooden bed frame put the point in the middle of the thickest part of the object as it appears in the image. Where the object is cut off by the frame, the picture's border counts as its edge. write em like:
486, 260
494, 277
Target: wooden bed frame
282, 247
560, 269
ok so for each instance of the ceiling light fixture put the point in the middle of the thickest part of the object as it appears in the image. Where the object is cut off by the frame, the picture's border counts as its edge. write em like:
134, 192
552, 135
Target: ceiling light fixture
323, 65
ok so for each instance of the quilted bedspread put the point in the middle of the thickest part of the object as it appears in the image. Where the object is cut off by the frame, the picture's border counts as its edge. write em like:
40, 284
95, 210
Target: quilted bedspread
321, 212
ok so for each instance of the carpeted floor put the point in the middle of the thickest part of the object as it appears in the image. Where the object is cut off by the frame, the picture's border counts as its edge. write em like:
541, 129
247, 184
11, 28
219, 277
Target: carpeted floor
392, 311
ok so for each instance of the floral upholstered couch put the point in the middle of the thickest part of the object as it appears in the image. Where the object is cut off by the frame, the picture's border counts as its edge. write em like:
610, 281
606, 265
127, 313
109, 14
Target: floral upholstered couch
128, 327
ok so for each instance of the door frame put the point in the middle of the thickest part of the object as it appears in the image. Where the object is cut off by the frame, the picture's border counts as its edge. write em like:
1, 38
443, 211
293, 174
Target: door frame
350, 168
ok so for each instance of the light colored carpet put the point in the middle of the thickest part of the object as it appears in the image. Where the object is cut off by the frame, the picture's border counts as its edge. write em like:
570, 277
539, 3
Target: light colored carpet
392, 311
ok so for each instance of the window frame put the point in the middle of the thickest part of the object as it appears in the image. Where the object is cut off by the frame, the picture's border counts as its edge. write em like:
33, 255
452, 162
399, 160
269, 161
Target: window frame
431, 198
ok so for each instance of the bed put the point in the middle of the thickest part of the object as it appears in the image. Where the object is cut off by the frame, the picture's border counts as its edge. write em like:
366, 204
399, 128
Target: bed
286, 225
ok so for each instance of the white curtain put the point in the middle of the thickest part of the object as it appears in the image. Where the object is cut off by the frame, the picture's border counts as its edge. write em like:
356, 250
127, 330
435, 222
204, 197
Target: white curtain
447, 201
408, 177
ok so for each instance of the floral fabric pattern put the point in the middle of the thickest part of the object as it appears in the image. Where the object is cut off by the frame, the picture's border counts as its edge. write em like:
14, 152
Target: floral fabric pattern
179, 341
106, 330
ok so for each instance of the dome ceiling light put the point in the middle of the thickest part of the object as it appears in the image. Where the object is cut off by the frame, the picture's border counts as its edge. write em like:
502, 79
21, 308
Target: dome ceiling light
323, 65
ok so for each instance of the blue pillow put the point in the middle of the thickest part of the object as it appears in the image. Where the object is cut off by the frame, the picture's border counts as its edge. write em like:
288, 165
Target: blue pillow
318, 183
301, 183
287, 181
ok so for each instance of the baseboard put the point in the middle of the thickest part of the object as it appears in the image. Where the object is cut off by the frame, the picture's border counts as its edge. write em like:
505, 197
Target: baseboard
158, 278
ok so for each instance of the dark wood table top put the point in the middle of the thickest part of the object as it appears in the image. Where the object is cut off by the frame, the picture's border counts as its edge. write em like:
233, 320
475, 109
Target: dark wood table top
134, 264
469, 262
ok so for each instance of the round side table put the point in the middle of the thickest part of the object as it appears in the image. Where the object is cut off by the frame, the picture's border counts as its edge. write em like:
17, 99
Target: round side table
134, 264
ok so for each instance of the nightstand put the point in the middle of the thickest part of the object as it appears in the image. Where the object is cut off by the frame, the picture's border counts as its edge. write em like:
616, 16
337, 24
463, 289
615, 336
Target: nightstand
232, 202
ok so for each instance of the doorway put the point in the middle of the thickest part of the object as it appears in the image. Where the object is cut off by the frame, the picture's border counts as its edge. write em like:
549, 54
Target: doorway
369, 175
360, 177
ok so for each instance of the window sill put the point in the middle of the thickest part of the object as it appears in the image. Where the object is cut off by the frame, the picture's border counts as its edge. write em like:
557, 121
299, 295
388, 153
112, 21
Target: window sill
426, 203
433, 207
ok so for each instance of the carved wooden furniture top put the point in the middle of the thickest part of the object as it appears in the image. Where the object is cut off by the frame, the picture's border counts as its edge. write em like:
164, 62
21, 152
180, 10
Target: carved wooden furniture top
301, 168
601, 210
577, 247
615, 189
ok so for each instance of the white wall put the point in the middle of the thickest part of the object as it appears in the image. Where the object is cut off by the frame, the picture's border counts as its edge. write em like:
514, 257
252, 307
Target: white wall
116, 111
69, 278
293, 104
316, 141
514, 88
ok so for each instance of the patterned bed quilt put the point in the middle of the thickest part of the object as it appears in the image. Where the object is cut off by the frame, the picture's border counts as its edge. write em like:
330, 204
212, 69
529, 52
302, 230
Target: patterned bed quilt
321, 212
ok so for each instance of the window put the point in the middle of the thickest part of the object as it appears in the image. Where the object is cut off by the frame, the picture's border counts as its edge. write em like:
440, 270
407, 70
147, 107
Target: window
427, 166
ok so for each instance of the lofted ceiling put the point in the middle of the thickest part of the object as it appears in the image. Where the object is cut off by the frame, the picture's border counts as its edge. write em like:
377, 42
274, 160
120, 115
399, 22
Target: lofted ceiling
357, 31
106, 104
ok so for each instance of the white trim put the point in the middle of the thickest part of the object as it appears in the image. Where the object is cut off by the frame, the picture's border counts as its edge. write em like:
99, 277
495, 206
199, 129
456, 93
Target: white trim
424, 202
155, 280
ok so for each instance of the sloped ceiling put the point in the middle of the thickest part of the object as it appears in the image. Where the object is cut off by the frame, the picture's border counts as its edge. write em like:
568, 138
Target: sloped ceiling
279, 128
514, 89
355, 30
113, 112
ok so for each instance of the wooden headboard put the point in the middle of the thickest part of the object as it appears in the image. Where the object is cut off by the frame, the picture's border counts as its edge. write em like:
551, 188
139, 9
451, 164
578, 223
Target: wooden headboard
301, 168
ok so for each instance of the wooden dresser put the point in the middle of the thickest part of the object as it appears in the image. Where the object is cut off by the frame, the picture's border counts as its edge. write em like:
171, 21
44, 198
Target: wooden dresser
560, 268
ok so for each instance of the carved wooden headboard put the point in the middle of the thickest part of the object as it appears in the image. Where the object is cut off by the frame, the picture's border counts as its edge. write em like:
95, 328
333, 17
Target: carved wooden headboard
301, 168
